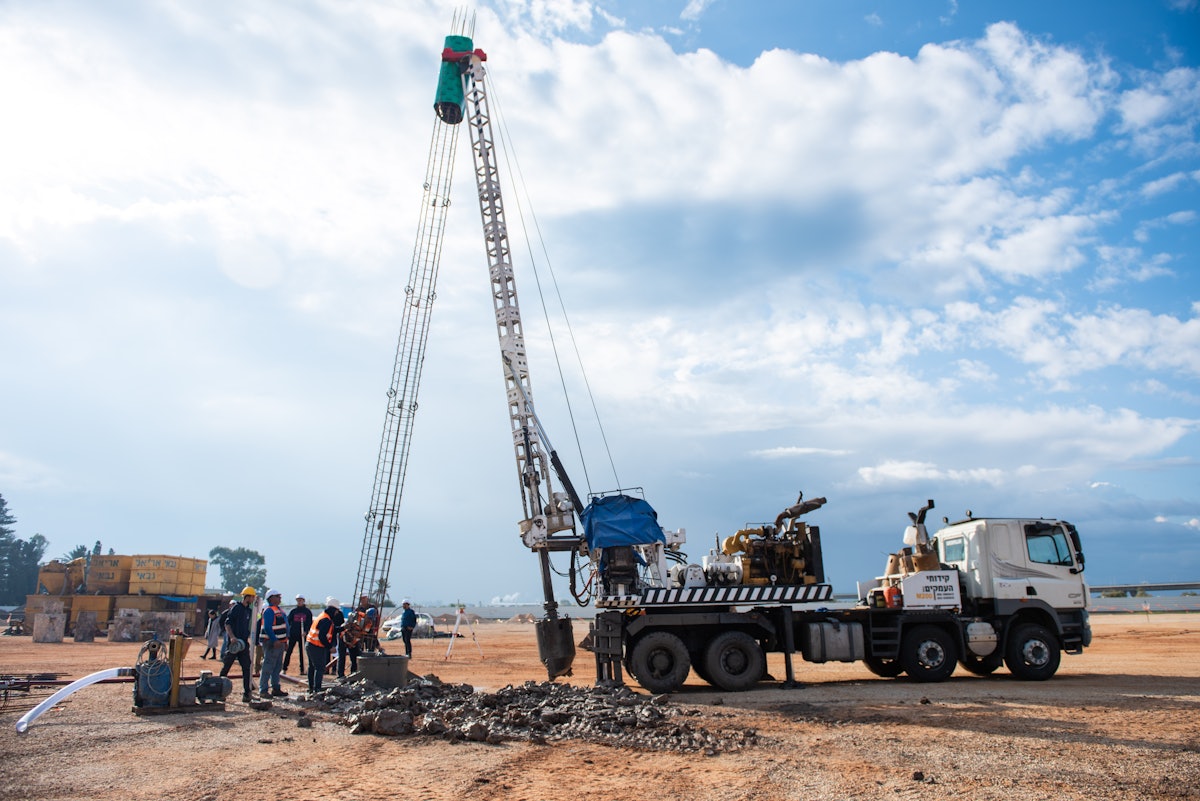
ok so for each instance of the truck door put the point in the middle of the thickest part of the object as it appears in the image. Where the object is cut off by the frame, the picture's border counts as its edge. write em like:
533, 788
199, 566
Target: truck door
1054, 576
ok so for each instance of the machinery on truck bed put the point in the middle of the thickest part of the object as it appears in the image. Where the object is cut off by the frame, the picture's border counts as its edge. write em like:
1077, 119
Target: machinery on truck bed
982, 592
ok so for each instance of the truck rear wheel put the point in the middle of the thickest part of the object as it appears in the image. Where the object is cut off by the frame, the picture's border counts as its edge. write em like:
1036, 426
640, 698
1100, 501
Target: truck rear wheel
928, 654
1032, 652
660, 662
734, 661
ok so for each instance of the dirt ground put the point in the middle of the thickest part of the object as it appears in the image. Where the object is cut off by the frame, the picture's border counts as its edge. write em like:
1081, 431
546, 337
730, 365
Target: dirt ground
1121, 721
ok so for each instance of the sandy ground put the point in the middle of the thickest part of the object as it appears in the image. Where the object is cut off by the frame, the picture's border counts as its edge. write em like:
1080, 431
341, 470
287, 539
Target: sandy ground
1122, 721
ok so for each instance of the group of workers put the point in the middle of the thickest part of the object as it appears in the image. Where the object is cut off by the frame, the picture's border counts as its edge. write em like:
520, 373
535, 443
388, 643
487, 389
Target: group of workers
328, 639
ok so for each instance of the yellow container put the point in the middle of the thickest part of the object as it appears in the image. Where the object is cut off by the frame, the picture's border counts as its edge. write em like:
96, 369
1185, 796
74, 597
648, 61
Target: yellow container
155, 562
167, 575
109, 575
100, 604
108, 582
35, 604
112, 562
142, 603
53, 576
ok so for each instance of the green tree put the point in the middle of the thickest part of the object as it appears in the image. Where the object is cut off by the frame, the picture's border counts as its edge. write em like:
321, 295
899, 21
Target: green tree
240, 567
6, 519
18, 560
78, 552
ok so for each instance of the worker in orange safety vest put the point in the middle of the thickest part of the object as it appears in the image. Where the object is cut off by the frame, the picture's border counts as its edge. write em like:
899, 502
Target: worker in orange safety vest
322, 636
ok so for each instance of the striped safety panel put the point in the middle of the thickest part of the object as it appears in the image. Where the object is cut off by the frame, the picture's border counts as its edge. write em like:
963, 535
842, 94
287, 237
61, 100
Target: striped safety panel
719, 596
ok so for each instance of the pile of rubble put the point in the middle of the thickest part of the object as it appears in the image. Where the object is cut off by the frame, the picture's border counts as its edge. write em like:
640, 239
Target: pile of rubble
533, 712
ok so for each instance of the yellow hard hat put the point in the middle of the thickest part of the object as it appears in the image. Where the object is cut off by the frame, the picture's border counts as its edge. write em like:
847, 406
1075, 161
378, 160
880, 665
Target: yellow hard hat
249, 591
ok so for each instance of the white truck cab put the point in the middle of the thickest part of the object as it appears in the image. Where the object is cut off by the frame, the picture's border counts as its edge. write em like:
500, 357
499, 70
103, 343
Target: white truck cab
1016, 561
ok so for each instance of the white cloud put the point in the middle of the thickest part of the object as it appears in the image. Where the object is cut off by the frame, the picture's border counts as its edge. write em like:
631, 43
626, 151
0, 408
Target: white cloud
695, 9
1160, 113
913, 472
1060, 344
548, 17
788, 452
1167, 183
1120, 265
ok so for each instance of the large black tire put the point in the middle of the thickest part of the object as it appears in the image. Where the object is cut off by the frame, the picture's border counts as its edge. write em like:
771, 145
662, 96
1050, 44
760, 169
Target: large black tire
888, 668
928, 653
1032, 652
734, 661
982, 665
660, 662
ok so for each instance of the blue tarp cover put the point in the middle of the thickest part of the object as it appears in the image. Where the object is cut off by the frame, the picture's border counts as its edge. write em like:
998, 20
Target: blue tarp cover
620, 520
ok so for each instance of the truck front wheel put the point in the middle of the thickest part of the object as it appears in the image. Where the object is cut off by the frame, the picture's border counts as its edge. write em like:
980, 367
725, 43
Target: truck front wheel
660, 662
734, 661
1032, 653
928, 654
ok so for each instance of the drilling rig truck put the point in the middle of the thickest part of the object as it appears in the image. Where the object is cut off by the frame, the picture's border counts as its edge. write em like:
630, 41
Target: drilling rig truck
980, 593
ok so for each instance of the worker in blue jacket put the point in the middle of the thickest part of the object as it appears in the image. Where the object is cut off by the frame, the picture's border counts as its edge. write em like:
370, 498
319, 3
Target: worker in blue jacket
408, 624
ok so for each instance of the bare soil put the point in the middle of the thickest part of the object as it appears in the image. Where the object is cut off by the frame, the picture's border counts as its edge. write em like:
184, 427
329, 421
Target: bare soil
1121, 721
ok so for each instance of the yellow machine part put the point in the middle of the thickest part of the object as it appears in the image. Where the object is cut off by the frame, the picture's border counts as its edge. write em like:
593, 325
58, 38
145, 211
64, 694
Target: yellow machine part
738, 543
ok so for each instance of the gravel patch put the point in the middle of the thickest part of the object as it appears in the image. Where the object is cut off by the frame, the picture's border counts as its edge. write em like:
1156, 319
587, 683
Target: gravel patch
537, 712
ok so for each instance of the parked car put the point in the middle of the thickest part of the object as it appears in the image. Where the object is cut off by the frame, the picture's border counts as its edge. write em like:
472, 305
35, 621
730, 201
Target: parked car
425, 627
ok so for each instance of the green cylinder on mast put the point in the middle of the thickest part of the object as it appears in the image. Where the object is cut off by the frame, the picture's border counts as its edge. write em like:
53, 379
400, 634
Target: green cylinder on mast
449, 102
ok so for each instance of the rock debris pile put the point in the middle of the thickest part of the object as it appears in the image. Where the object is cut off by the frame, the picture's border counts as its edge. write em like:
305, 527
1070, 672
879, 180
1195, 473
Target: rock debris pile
533, 712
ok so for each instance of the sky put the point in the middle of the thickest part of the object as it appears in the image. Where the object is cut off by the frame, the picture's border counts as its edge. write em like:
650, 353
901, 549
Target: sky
875, 252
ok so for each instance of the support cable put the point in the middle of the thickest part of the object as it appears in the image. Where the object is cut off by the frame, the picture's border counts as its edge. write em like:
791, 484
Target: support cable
509, 153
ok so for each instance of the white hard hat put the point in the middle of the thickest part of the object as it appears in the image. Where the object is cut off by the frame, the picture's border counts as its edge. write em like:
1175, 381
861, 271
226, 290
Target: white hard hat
272, 593
331, 601
405, 601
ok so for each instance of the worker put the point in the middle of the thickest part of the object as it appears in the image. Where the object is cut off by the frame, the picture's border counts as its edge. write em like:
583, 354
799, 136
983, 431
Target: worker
237, 635
408, 624
212, 635
299, 622
273, 637
339, 623
322, 635
361, 630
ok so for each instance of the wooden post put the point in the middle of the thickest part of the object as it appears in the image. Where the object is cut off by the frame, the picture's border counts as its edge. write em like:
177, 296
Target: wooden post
175, 658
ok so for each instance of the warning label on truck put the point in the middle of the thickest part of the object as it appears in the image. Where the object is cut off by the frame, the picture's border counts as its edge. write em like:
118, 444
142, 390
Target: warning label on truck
932, 588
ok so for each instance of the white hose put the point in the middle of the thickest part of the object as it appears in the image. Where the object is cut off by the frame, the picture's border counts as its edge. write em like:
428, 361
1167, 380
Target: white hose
78, 684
